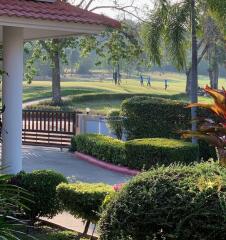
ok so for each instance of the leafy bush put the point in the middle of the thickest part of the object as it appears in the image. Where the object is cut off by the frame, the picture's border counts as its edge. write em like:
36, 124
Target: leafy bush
144, 153
115, 124
83, 200
148, 117
176, 202
42, 185
64, 235
102, 147
139, 154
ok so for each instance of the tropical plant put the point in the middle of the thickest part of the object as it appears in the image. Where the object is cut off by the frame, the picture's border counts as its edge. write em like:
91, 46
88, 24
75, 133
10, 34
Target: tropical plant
212, 130
11, 203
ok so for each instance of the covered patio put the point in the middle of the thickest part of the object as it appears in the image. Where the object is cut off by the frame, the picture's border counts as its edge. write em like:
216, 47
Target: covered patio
24, 20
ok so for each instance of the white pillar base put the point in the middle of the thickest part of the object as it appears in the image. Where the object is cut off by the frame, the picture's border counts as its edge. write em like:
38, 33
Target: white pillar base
12, 88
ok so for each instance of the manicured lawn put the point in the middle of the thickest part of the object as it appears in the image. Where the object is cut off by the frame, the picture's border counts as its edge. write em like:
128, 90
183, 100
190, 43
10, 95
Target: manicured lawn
74, 87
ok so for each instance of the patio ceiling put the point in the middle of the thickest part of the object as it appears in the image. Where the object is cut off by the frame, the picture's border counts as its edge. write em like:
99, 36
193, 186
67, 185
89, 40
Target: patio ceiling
51, 19
22, 20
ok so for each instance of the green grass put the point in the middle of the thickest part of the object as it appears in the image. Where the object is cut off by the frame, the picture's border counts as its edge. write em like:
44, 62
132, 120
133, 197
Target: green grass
77, 87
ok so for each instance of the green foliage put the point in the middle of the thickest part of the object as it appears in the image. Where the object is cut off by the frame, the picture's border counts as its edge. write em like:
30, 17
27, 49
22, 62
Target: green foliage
176, 202
64, 235
115, 123
138, 154
148, 117
83, 200
11, 203
115, 45
168, 26
154, 117
145, 153
218, 9
102, 147
42, 185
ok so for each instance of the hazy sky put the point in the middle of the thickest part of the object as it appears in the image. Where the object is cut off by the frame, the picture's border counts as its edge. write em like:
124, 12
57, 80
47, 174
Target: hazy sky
114, 13
138, 3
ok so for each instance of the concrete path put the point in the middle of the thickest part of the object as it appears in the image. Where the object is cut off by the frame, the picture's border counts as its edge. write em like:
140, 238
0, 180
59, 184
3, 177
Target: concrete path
35, 158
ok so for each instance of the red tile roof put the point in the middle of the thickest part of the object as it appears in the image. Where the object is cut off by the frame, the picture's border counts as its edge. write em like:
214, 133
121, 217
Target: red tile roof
57, 11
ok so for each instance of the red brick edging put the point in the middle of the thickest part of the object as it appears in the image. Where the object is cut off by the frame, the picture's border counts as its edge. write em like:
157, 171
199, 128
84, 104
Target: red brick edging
108, 166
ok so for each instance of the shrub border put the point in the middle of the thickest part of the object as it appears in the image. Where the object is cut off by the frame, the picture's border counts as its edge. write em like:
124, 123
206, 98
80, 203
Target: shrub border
105, 165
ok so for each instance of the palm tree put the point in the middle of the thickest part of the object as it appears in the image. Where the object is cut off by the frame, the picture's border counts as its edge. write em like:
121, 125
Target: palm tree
194, 71
170, 26
174, 27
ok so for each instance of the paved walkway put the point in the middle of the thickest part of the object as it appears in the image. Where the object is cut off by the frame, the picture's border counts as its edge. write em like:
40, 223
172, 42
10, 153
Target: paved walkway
35, 158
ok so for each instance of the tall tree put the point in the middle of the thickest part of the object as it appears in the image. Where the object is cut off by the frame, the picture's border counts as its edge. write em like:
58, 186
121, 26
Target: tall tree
117, 46
55, 48
170, 27
194, 71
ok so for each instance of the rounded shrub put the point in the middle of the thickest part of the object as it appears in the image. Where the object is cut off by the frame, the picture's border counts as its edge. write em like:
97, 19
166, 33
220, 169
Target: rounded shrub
144, 153
102, 147
151, 117
83, 200
154, 117
175, 202
41, 184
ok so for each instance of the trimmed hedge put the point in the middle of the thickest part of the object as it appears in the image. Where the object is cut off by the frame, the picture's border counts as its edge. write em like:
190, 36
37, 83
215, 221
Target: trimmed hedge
41, 185
138, 154
176, 202
144, 153
64, 235
148, 117
83, 200
86, 97
102, 147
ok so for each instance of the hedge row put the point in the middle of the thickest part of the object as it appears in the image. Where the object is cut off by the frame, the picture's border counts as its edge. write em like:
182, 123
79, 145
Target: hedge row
144, 153
138, 154
50, 193
83, 200
148, 117
68, 104
102, 147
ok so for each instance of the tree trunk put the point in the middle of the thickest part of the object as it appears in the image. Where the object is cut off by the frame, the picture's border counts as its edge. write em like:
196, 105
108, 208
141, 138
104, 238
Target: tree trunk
216, 76
188, 82
213, 66
56, 88
86, 227
194, 71
118, 74
222, 156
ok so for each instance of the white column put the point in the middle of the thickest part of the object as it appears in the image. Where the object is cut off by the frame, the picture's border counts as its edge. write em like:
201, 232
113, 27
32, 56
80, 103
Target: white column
12, 88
